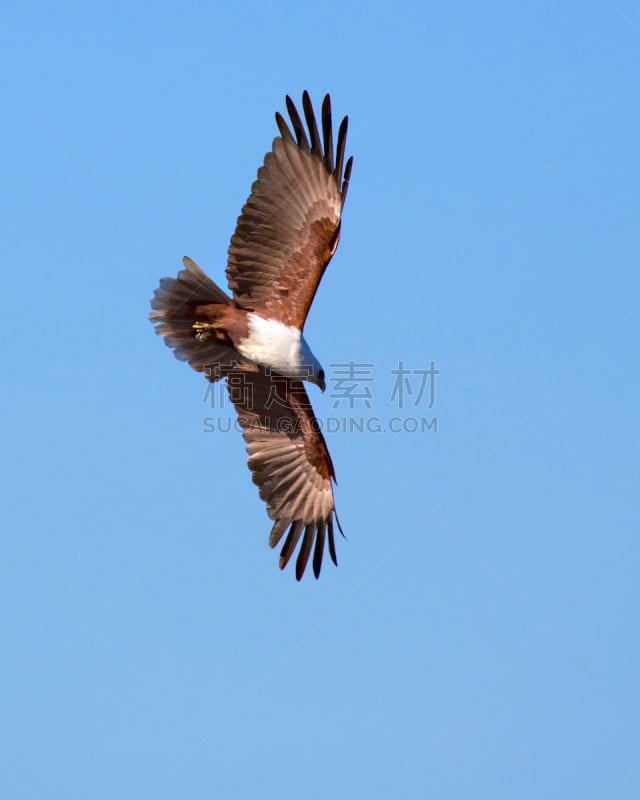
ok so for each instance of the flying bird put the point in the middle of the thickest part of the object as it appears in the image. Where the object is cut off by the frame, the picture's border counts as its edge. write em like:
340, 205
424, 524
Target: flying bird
285, 236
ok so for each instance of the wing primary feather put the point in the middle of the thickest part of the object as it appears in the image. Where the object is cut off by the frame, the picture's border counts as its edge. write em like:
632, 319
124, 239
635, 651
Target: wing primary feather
283, 128
289, 489
317, 553
278, 529
345, 183
338, 523
305, 549
342, 141
316, 147
332, 541
290, 542
298, 127
327, 132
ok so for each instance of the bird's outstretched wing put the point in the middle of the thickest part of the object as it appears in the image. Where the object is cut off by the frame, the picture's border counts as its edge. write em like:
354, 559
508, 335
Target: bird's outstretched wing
290, 225
289, 462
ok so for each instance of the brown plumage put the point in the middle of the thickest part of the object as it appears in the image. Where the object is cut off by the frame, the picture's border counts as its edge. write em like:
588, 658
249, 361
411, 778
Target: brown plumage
285, 236
290, 225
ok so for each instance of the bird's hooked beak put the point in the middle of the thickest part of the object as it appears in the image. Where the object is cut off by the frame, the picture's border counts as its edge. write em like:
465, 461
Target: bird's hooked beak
318, 379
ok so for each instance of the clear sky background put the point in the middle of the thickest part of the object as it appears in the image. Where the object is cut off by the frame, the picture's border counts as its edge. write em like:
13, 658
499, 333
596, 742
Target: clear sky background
480, 638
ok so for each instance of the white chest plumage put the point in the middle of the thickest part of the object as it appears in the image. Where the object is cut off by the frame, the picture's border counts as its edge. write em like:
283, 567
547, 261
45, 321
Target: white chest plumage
282, 347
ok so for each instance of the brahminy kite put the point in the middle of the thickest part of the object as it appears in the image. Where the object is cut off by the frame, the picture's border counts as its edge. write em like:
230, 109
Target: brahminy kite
284, 238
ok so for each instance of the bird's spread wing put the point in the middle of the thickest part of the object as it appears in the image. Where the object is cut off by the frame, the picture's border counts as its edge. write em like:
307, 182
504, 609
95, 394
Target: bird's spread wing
290, 225
289, 462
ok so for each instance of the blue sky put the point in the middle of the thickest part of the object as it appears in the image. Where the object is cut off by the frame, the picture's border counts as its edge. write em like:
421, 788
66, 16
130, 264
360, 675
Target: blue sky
480, 636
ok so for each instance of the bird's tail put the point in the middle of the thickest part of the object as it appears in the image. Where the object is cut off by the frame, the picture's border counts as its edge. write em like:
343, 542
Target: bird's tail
174, 314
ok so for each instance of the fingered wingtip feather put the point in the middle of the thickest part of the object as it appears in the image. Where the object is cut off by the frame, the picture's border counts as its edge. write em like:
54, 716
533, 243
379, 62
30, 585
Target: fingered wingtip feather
319, 549
332, 541
345, 182
342, 140
295, 531
327, 132
283, 127
307, 107
277, 531
298, 127
305, 550
313, 534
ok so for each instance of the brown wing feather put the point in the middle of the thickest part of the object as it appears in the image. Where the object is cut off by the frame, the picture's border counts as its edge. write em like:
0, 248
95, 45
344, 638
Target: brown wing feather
289, 462
290, 226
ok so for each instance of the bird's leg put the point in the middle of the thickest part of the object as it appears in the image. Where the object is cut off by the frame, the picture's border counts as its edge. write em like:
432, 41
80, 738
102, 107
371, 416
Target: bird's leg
204, 330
